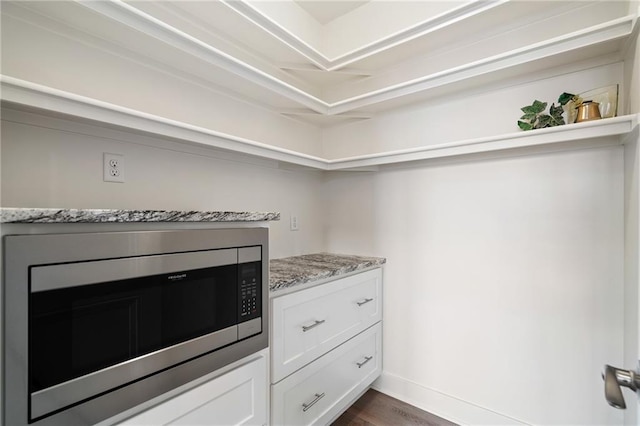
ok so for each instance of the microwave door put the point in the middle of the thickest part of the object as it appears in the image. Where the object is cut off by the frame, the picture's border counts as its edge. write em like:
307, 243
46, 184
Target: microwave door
89, 337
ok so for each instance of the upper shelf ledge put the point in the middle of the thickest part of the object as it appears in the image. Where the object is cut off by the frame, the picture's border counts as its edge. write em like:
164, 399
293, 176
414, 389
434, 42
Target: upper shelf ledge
578, 135
53, 101
606, 38
588, 41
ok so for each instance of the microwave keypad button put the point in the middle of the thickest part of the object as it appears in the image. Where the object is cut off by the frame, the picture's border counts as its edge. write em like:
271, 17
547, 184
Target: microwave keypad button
249, 297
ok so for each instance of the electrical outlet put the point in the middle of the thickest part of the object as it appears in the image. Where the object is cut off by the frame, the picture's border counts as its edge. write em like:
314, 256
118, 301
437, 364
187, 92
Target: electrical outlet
113, 167
294, 223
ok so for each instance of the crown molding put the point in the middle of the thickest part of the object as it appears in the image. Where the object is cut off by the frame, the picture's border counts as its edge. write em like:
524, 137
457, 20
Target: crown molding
312, 68
245, 9
43, 99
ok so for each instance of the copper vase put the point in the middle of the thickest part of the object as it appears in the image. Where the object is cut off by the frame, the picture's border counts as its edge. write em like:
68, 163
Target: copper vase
588, 111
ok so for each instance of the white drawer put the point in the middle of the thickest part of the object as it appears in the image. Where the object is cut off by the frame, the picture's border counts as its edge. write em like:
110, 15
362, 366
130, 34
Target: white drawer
238, 397
321, 391
309, 323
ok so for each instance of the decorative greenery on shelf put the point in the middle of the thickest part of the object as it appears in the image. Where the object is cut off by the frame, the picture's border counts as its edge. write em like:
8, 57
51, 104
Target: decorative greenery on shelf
565, 98
535, 118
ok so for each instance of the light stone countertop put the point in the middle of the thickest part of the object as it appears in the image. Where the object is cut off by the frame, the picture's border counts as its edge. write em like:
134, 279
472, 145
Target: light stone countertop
50, 215
297, 270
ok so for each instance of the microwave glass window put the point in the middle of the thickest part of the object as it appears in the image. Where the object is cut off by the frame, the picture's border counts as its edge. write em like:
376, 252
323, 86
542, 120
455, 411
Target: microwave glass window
78, 330
117, 340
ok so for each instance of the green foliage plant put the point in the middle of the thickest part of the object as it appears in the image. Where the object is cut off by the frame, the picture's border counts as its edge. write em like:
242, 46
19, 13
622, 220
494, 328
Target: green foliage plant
570, 104
569, 97
535, 117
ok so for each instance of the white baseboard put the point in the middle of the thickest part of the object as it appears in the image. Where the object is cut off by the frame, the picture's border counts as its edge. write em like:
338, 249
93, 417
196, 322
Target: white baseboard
440, 404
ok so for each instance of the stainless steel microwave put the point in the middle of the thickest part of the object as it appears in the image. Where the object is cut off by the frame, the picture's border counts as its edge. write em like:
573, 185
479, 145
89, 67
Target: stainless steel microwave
97, 323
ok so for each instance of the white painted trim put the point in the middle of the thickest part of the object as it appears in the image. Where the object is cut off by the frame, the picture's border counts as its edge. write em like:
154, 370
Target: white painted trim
617, 126
446, 406
313, 68
253, 15
557, 46
245, 9
56, 101
356, 114
411, 33
45, 98
125, 14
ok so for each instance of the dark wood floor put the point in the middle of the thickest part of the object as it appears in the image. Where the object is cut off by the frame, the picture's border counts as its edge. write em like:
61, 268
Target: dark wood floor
377, 409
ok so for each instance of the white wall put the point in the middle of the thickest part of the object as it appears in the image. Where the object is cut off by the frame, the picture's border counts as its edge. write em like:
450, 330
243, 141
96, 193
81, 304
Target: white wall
632, 228
54, 163
503, 285
632, 273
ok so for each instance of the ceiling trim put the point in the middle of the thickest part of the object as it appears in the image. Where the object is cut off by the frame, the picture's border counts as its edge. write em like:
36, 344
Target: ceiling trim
245, 9
410, 33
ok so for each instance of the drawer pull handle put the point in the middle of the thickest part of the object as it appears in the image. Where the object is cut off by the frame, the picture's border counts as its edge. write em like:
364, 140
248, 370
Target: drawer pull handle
318, 397
306, 328
364, 302
366, 360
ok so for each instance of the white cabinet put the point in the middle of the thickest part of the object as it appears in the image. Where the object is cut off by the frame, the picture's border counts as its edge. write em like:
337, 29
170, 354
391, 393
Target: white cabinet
321, 391
326, 348
311, 322
238, 397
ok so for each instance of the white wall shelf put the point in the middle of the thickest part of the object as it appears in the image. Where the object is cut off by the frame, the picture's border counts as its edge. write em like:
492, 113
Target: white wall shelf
157, 41
610, 131
597, 41
48, 101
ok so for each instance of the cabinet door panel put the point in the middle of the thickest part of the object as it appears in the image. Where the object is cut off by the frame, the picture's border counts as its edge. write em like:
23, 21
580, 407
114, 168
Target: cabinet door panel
309, 323
321, 391
238, 397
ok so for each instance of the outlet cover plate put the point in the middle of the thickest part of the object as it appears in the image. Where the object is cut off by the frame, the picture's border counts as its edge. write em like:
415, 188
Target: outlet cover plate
295, 226
113, 167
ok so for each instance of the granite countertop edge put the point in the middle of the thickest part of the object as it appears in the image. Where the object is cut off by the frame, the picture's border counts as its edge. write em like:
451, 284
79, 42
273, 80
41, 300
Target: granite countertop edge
289, 272
54, 215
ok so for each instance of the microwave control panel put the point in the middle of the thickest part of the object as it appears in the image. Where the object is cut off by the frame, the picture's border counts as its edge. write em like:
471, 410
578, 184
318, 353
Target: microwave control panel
250, 296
